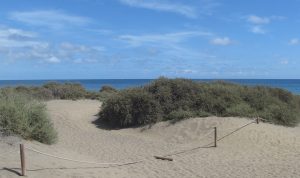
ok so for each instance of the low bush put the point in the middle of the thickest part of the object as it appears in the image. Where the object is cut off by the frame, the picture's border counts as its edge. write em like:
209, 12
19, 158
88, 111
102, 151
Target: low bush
24, 116
180, 114
176, 99
106, 92
72, 91
108, 88
66, 91
131, 107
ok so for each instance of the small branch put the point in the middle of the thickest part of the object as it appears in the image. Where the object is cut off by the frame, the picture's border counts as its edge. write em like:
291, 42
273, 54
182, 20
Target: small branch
163, 158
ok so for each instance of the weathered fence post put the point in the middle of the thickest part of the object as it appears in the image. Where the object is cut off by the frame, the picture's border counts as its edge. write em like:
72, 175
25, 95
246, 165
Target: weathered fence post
22, 156
215, 136
257, 120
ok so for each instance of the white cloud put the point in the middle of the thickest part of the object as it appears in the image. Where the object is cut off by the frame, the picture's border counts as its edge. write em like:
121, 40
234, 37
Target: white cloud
284, 61
49, 18
16, 38
80, 48
53, 59
11, 32
137, 40
257, 30
182, 9
171, 46
221, 41
294, 41
101, 31
187, 71
17, 44
258, 20
258, 23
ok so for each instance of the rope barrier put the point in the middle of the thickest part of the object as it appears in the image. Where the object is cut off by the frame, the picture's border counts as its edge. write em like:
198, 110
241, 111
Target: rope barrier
3, 155
252, 122
192, 149
236, 130
183, 151
78, 161
139, 161
117, 164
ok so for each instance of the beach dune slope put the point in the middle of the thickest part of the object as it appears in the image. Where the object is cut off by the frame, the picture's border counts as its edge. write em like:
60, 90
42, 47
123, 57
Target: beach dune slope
256, 150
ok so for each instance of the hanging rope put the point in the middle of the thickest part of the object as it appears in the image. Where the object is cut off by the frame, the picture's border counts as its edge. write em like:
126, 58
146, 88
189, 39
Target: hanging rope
3, 155
183, 151
78, 161
139, 161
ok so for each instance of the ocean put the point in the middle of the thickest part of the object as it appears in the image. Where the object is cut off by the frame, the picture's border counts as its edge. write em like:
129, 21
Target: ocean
292, 85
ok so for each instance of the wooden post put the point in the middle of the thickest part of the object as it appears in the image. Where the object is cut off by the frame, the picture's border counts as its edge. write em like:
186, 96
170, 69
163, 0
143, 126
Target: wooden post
215, 136
257, 120
22, 156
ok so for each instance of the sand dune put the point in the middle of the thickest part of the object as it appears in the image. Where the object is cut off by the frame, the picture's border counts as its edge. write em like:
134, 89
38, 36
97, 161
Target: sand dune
262, 150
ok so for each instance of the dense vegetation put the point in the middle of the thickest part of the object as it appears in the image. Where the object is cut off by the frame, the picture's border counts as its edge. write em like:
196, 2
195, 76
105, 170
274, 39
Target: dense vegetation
176, 99
22, 115
71, 91
55, 90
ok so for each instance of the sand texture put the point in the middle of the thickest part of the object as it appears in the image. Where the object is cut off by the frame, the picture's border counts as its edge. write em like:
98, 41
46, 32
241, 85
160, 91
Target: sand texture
258, 150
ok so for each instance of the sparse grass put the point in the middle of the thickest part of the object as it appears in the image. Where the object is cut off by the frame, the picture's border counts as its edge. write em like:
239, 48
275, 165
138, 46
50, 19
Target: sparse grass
176, 99
20, 114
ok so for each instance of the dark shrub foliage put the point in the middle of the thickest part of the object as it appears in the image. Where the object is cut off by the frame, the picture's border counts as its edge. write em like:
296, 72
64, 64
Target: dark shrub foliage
106, 92
176, 99
107, 88
180, 114
92, 95
131, 107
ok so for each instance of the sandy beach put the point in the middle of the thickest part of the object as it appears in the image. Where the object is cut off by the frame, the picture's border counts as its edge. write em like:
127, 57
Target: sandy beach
257, 150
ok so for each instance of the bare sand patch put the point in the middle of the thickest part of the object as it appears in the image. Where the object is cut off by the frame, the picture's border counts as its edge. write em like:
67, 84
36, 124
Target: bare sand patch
262, 150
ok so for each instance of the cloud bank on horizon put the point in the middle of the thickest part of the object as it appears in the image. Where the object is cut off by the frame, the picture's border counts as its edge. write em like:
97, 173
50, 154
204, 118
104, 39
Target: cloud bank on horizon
148, 38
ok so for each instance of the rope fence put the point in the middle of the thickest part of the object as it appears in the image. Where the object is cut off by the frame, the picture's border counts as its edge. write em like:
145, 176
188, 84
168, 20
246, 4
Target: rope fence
183, 151
164, 157
3, 155
78, 161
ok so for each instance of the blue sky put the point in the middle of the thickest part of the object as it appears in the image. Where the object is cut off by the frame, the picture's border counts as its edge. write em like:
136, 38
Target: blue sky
105, 39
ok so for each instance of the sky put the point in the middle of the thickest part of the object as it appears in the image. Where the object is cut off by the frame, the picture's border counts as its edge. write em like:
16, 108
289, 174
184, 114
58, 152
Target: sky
145, 39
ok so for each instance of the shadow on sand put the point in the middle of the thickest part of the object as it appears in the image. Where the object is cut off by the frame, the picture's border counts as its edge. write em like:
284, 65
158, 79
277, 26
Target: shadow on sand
12, 170
108, 126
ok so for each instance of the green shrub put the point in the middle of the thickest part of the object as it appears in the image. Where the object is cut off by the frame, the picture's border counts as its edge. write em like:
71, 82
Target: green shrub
21, 115
107, 88
129, 108
66, 91
73, 91
176, 99
242, 109
106, 92
180, 114
93, 95
280, 114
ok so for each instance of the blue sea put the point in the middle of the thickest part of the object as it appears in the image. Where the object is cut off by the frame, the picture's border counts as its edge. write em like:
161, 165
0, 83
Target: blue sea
292, 85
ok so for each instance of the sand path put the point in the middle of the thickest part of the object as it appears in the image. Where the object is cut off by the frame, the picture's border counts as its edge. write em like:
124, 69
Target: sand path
262, 150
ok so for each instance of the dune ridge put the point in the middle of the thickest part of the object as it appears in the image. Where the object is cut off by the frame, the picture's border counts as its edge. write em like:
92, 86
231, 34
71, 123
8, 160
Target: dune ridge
262, 150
